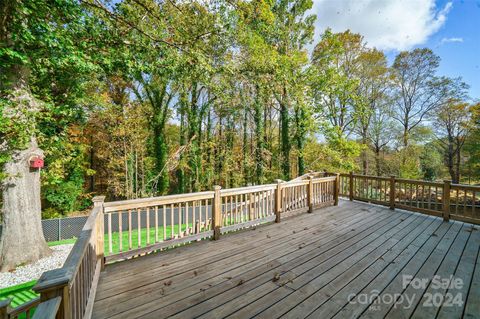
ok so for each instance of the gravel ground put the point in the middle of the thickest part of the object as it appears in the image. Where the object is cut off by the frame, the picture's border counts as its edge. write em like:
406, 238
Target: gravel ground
33, 271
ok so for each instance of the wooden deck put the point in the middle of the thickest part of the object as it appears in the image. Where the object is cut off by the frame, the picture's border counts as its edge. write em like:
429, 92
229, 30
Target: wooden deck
310, 265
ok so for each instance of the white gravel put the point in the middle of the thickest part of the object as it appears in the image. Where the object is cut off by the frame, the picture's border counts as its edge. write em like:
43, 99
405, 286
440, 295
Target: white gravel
34, 271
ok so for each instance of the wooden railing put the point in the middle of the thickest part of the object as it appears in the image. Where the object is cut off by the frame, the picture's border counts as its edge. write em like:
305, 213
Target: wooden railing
246, 206
140, 226
442, 199
23, 311
68, 292
136, 227
126, 229
150, 224
464, 203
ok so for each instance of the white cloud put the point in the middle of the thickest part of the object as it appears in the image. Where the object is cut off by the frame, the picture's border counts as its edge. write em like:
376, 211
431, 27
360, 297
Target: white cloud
385, 24
449, 40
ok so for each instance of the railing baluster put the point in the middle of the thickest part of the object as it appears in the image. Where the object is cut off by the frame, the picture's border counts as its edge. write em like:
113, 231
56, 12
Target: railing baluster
194, 219
187, 223
264, 213
446, 200
164, 213
148, 226
473, 204
110, 248
120, 234
172, 223
236, 210
130, 229
180, 228
416, 195
139, 228
156, 224
200, 215
456, 202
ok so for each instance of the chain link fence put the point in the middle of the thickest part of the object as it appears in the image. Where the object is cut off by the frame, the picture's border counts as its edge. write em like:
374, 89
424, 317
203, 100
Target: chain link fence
61, 228
56, 229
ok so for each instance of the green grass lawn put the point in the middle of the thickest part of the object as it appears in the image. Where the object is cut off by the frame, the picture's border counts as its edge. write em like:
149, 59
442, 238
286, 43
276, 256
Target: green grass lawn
143, 238
125, 240
62, 242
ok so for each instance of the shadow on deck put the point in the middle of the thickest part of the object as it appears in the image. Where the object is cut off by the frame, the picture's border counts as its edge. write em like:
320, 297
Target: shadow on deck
331, 263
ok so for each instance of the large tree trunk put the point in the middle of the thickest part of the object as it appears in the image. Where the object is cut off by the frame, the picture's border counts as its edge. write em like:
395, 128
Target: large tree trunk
365, 155
377, 161
456, 180
450, 158
245, 147
285, 137
300, 138
22, 238
259, 135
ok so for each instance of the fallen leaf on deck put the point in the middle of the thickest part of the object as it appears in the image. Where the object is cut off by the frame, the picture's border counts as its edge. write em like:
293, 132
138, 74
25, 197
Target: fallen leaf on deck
276, 277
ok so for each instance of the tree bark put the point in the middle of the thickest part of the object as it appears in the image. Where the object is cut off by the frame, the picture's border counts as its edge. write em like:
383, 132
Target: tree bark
377, 161
285, 138
300, 138
22, 238
456, 180
245, 147
450, 158
259, 135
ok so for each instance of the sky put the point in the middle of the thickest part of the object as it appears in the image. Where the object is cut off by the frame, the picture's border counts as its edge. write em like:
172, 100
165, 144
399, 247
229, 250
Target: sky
451, 28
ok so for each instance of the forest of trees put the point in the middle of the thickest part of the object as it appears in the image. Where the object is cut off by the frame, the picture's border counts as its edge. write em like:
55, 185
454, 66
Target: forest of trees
139, 98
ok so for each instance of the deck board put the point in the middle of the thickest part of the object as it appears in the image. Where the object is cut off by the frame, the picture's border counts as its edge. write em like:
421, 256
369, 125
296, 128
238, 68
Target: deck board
306, 266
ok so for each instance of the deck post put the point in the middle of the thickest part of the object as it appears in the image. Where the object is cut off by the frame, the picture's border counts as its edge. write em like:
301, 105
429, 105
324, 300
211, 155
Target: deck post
337, 188
350, 186
5, 308
100, 230
278, 200
310, 194
392, 192
446, 199
217, 212
52, 284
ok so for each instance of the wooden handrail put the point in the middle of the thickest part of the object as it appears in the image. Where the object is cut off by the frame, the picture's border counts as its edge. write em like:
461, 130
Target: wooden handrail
72, 288
466, 187
155, 201
442, 199
48, 309
68, 292
247, 189
24, 310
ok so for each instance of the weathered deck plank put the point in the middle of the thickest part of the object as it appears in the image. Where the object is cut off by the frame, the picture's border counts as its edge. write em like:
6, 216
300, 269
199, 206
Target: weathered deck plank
305, 266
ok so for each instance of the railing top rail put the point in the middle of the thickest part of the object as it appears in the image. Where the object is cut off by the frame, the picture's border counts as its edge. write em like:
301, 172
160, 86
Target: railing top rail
418, 182
247, 189
383, 178
65, 275
304, 176
324, 179
24, 307
466, 187
48, 308
156, 201
295, 183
